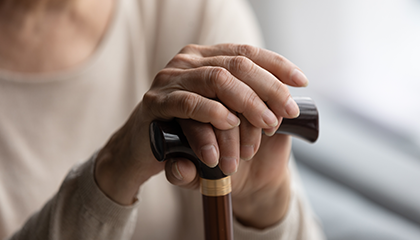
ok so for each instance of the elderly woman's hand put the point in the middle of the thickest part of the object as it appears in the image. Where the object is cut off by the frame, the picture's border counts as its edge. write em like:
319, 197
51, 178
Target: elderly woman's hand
229, 93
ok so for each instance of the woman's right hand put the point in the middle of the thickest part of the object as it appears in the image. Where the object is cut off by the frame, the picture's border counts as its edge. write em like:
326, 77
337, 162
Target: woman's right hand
206, 84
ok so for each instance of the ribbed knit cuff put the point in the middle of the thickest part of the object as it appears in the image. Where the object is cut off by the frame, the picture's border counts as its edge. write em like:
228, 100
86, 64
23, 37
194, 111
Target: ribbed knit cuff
97, 203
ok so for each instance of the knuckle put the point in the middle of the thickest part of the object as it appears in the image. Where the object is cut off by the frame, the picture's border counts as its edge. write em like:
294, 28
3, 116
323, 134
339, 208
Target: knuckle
149, 97
247, 50
178, 60
278, 89
182, 60
189, 105
228, 137
218, 111
189, 48
154, 103
220, 77
280, 59
227, 45
251, 101
218, 73
241, 63
163, 76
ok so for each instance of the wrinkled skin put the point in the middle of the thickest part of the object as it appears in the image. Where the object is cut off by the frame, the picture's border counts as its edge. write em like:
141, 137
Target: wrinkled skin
224, 96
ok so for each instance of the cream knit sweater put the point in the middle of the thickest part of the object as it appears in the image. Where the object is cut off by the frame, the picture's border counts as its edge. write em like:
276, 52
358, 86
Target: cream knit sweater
51, 123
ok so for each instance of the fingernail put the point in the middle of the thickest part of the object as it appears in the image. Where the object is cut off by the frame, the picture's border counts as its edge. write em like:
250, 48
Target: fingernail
233, 120
269, 118
270, 132
299, 78
292, 108
247, 152
175, 170
230, 165
209, 155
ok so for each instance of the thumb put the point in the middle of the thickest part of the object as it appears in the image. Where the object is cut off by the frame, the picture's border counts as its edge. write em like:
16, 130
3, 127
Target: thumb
182, 172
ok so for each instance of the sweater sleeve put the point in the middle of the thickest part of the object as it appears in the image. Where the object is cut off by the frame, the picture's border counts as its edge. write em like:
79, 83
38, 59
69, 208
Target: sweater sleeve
80, 211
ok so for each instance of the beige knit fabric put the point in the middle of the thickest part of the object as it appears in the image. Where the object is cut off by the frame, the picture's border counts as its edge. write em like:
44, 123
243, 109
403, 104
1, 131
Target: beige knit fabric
51, 122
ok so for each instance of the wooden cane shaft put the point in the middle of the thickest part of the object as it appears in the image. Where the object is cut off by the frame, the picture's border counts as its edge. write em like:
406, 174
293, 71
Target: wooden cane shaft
218, 217
217, 208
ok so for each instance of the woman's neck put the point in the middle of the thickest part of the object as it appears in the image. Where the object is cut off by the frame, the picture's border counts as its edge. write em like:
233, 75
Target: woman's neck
50, 35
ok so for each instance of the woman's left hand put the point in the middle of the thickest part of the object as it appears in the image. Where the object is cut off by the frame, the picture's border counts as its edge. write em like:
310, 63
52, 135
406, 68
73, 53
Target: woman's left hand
261, 184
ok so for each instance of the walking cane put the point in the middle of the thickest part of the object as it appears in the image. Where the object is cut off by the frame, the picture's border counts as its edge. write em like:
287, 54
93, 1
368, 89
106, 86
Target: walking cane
168, 141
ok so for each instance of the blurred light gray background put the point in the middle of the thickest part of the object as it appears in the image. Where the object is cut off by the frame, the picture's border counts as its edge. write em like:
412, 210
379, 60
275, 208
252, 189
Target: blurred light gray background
362, 58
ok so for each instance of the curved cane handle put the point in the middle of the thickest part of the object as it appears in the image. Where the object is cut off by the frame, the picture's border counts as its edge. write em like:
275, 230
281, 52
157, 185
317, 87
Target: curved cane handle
168, 141
306, 126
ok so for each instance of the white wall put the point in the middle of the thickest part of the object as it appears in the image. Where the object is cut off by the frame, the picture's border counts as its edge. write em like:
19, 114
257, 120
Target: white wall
364, 54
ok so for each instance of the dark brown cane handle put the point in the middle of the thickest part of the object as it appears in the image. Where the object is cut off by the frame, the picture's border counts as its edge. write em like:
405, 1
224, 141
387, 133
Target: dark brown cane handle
168, 141
306, 126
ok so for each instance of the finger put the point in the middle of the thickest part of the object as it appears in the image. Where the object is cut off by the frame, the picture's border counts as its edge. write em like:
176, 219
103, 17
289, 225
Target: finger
281, 67
214, 83
263, 83
202, 140
271, 131
250, 139
188, 105
182, 172
228, 141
